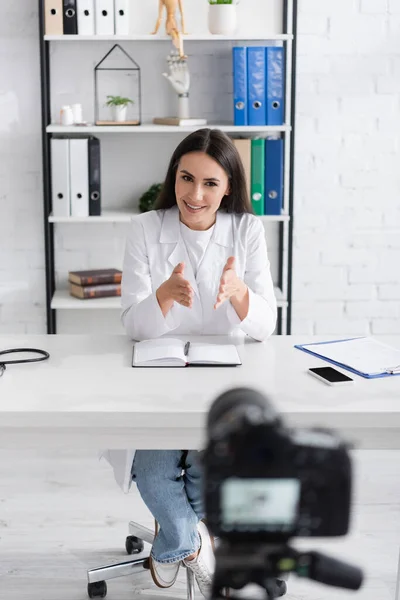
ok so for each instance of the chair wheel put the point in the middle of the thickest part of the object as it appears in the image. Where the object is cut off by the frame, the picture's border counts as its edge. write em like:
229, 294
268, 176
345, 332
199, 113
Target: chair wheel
133, 545
98, 589
277, 589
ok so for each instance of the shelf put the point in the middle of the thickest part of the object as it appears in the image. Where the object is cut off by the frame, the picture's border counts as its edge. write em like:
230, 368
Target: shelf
165, 38
150, 128
107, 216
124, 216
63, 301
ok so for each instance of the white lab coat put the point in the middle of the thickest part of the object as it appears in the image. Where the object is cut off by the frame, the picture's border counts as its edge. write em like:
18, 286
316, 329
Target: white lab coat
154, 247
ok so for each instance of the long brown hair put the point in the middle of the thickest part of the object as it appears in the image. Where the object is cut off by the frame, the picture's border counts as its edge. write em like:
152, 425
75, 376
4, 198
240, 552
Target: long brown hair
220, 147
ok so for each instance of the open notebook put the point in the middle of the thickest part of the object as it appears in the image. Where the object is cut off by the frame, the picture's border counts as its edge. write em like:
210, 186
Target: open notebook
170, 352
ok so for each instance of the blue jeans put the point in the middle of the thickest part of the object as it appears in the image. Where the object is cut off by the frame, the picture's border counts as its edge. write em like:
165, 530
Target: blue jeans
170, 483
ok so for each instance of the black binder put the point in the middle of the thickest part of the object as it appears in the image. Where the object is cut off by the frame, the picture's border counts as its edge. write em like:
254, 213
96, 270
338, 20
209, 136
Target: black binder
70, 18
94, 177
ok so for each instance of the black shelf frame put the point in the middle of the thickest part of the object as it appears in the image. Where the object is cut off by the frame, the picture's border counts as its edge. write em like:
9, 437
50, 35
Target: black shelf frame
46, 160
45, 89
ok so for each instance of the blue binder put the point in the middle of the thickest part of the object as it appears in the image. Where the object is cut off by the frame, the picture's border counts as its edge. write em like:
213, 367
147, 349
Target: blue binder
275, 85
273, 176
320, 354
256, 68
239, 56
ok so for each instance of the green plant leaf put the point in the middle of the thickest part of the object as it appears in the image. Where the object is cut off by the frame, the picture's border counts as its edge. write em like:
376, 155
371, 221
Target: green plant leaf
118, 101
147, 200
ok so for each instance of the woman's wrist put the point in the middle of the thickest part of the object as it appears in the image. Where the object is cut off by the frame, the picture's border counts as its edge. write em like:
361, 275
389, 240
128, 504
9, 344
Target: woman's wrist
164, 300
241, 293
240, 300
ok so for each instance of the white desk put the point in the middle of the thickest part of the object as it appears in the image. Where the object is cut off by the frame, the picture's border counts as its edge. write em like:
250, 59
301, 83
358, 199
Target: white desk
87, 395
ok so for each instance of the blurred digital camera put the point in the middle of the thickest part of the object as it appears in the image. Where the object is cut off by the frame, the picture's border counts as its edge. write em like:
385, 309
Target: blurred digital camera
265, 484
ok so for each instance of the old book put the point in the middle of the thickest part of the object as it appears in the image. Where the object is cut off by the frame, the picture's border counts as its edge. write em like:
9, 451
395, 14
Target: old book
95, 291
95, 276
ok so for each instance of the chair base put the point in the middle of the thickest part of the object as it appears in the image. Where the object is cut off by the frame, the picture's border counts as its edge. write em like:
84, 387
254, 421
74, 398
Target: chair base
97, 577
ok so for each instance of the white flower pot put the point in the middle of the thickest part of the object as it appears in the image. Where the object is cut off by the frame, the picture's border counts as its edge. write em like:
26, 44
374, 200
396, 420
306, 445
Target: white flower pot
119, 113
222, 19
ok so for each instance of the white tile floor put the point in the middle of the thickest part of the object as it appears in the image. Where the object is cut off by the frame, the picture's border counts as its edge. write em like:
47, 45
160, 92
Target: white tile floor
62, 513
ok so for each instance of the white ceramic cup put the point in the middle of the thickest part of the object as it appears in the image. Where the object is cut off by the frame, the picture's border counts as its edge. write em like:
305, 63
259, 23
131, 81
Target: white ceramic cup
66, 115
77, 113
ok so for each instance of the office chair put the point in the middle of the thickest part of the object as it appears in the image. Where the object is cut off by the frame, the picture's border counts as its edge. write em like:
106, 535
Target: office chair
97, 586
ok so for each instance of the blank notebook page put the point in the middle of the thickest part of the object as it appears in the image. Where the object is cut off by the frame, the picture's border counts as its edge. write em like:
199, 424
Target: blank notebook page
366, 355
149, 350
210, 353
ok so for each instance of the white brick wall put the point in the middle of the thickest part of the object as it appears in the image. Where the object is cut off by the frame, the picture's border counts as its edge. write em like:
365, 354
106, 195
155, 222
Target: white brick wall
347, 213
347, 208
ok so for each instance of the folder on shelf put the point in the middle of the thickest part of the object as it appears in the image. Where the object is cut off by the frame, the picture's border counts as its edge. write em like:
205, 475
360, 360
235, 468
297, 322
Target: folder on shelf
53, 17
85, 9
70, 20
60, 177
257, 175
79, 160
275, 85
273, 176
121, 16
363, 356
94, 177
104, 16
256, 85
243, 147
239, 56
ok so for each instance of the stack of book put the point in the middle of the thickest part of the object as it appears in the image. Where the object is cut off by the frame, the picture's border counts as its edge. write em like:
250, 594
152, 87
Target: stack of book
263, 162
258, 85
87, 17
96, 283
76, 177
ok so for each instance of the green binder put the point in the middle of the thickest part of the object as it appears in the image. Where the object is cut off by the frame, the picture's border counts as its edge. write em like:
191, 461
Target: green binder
257, 175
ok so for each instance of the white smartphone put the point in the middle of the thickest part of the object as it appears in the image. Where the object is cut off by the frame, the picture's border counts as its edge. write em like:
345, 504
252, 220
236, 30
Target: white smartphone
330, 376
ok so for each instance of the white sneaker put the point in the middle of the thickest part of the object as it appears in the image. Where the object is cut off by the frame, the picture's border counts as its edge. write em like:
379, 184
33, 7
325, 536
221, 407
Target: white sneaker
164, 574
203, 565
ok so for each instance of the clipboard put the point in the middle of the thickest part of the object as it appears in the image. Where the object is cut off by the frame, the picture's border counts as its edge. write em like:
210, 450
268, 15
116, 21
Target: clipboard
317, 349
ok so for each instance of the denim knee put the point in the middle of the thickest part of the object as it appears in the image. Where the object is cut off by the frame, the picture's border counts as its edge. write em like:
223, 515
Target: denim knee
152, 466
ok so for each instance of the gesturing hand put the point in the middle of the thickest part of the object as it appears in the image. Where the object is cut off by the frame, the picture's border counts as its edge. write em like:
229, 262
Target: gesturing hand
230, 285
176, 289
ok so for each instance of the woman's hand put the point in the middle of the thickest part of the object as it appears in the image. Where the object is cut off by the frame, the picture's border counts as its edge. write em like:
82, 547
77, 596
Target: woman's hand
175, 289
230, 286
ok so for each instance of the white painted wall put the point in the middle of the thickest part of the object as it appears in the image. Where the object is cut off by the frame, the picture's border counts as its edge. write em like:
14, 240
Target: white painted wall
347, 214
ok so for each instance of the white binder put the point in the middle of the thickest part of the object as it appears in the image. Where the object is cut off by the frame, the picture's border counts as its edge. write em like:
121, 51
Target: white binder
60, 177
104, 17
85, 9
122, 17
53, 17
79, 169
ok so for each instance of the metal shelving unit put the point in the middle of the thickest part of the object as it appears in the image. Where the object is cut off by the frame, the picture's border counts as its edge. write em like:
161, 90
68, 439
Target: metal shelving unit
60, 299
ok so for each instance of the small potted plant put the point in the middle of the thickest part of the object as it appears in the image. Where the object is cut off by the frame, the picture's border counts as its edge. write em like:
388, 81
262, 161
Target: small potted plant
222, 17
119, 107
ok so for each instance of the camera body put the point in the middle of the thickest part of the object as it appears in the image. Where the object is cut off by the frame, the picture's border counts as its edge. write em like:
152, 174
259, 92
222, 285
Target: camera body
266, 483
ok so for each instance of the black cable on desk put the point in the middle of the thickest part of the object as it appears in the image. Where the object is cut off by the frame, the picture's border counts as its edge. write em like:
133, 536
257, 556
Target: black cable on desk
43, 355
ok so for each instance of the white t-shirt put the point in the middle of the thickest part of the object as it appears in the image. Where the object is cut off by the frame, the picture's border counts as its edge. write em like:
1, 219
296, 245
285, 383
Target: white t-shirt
196, 243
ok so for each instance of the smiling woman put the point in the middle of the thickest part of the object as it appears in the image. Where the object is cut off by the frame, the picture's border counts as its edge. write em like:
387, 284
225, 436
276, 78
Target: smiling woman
209, 159
198, 264
200, 185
